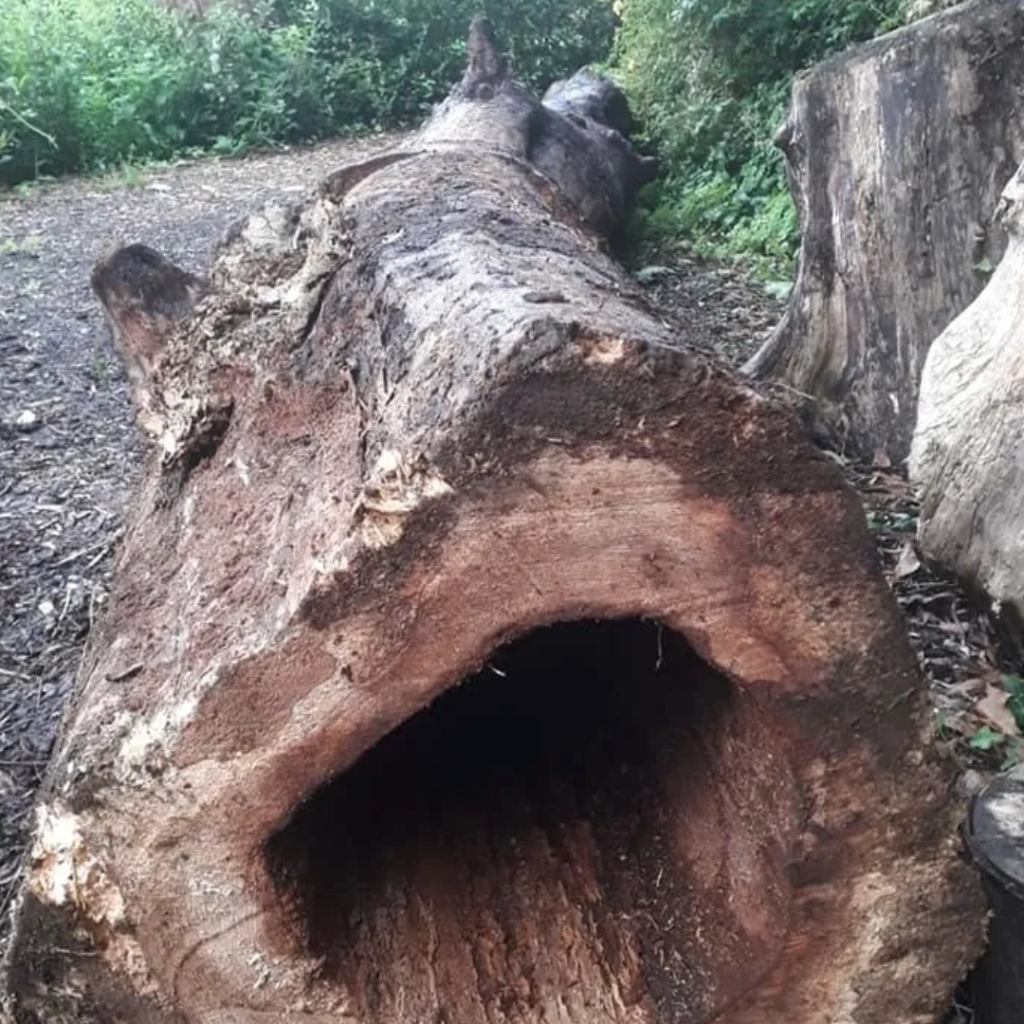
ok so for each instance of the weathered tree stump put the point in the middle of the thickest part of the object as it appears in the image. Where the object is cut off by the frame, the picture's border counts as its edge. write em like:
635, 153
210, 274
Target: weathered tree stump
897, 153
477, 653
966, 455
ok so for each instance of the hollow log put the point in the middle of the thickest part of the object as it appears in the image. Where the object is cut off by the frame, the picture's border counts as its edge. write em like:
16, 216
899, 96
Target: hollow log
897, 152
966, 451
477, 652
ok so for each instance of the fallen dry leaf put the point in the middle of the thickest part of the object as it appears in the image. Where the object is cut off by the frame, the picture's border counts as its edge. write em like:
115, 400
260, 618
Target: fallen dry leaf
908, 562
969, 687
992, 708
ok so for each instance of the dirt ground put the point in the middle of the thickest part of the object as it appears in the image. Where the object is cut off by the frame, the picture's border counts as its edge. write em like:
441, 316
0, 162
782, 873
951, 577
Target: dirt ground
69, 452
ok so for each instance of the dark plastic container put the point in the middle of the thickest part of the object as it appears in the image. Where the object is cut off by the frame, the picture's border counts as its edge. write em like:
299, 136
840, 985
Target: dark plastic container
995, 838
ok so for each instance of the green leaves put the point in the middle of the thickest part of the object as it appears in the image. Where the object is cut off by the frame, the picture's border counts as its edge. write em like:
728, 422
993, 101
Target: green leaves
711, 80
891, 522
92, 84
986, 738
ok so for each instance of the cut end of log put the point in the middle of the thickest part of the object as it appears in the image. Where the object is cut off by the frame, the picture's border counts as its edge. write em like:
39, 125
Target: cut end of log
596, 826
476, 781
583, 741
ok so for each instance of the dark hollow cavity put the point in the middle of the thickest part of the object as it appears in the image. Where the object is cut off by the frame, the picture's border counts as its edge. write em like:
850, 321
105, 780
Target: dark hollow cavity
593, 828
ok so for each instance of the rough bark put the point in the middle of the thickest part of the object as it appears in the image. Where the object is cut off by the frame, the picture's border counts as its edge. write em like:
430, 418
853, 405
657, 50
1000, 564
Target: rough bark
966, 454
897, 152
420, 433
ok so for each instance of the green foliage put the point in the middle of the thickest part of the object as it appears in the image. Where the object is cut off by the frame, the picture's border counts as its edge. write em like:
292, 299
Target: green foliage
757, 40
104, 82
1007, 743
986, 738
710, 79
1014, 687
96, 84
880, 521
406, 54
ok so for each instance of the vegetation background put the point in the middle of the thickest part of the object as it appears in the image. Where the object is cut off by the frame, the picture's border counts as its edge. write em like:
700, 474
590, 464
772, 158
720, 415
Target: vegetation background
93, 85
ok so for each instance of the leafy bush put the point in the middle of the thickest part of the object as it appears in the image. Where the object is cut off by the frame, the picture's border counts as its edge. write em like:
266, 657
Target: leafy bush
710, 79
91, 84
410, 52
94, 83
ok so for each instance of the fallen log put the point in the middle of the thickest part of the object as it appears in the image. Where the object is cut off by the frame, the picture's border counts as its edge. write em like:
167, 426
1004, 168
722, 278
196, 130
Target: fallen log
477, 652
966, 451
897, 151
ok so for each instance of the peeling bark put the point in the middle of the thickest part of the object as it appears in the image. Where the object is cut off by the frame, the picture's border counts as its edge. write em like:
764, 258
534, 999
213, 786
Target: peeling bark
420, 433
897, 153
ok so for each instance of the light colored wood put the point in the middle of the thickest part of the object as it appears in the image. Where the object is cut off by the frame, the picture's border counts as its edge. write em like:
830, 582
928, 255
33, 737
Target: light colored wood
966, 455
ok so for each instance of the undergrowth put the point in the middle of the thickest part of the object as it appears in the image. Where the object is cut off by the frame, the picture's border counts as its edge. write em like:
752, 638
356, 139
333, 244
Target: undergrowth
710, 80
94, 84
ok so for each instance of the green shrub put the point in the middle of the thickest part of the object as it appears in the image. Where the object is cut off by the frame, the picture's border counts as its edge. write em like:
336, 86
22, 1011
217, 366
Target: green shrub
710, 80
103, 82
91, 84
408, 53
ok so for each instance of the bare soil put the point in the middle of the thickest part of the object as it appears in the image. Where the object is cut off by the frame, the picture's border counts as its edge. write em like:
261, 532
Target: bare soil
70, 454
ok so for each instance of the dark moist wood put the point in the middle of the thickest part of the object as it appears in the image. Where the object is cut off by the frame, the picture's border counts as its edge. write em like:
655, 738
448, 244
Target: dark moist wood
144, 296
897, 153
423, 432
